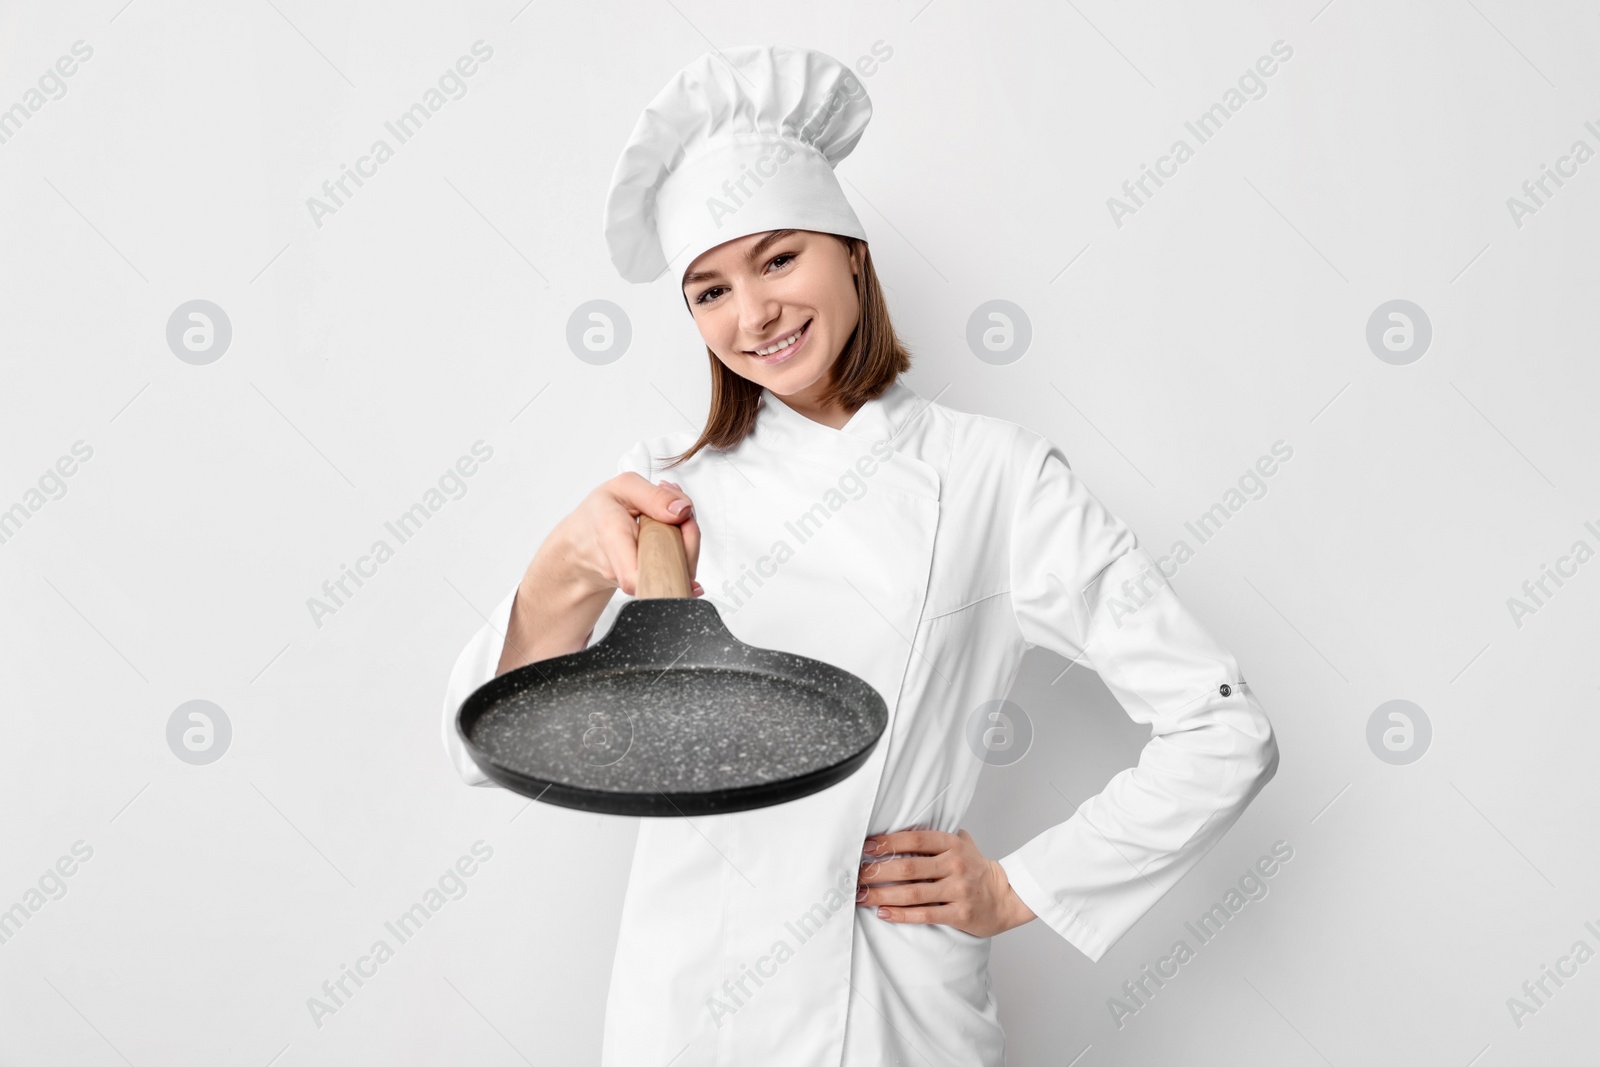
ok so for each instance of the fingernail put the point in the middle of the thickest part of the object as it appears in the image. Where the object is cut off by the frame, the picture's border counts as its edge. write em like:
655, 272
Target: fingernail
677, 506
861, 894
870, 846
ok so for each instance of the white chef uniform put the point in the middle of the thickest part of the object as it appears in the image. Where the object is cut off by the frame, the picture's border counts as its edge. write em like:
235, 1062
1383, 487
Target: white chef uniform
925, 550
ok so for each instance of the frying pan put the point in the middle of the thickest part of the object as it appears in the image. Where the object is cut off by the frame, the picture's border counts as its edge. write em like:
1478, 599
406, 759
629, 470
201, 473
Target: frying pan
669, 714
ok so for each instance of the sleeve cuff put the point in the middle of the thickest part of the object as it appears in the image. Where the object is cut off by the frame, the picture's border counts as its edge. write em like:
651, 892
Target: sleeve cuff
1078, 931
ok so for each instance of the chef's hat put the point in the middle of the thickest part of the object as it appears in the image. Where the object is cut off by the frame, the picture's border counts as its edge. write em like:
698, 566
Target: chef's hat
737, 142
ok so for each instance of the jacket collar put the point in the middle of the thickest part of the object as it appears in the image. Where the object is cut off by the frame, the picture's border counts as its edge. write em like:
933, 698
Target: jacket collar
879, 419
889, 417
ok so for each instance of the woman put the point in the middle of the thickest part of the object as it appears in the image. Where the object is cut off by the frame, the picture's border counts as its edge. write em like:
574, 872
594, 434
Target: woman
848, 520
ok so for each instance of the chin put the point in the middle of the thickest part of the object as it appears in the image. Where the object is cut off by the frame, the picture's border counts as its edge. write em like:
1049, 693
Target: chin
787, 380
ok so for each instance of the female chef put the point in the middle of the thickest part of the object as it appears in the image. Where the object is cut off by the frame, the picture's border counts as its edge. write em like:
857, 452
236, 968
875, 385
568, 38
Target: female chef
849, 520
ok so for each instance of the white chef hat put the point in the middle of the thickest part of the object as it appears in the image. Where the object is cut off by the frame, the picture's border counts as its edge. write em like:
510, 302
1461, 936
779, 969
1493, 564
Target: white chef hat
737, 142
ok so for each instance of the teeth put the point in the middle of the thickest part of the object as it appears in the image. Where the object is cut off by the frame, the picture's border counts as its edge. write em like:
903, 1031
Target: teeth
781, 345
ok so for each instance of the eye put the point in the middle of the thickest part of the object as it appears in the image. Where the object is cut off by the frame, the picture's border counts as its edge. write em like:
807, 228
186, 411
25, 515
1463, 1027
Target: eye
783, 257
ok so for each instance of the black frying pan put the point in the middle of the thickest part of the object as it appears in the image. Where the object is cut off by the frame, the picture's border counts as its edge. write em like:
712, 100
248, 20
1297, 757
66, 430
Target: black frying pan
670, 714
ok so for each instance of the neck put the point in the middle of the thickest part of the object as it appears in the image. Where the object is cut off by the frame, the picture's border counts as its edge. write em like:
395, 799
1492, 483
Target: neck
834, 416
808, 403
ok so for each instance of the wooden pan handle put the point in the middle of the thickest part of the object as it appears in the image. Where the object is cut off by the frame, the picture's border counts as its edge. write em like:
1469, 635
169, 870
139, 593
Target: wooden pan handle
663, 561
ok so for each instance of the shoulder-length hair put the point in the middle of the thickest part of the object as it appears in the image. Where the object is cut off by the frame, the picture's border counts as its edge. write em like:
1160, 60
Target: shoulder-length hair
868, 364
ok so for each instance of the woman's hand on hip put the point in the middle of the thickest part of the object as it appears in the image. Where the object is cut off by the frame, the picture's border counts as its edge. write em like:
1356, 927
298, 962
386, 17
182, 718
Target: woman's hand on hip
948, 881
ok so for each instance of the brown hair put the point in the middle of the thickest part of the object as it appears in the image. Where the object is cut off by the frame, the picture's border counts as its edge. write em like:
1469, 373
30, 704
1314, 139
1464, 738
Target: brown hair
867, 365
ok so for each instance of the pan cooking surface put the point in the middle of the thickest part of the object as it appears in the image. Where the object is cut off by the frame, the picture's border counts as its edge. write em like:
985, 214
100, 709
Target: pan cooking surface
647, 730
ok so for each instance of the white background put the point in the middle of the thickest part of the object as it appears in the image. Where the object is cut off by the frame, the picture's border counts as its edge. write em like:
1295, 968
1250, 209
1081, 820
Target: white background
430, 312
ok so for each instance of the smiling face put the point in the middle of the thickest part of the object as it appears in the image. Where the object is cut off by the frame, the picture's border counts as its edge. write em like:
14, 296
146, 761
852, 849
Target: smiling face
751, 295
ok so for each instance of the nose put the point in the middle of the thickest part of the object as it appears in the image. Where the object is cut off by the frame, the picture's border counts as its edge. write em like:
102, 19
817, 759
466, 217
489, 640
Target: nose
757, 313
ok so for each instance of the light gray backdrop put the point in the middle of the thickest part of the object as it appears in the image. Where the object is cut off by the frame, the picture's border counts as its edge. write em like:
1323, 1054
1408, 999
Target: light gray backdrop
1440, 859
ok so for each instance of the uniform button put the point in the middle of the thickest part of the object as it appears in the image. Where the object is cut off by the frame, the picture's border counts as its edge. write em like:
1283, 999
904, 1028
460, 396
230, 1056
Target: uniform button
1226, 689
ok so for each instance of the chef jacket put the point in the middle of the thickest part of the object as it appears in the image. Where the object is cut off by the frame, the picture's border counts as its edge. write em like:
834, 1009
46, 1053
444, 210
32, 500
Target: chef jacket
925, 550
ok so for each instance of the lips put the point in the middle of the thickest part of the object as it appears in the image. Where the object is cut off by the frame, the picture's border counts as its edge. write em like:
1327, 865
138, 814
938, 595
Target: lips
792, 333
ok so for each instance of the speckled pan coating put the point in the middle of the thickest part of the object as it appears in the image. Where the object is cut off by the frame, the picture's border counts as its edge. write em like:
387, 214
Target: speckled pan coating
669, 713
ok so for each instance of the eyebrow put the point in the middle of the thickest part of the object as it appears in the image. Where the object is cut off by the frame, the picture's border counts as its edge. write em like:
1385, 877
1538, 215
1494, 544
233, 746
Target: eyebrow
750, 256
